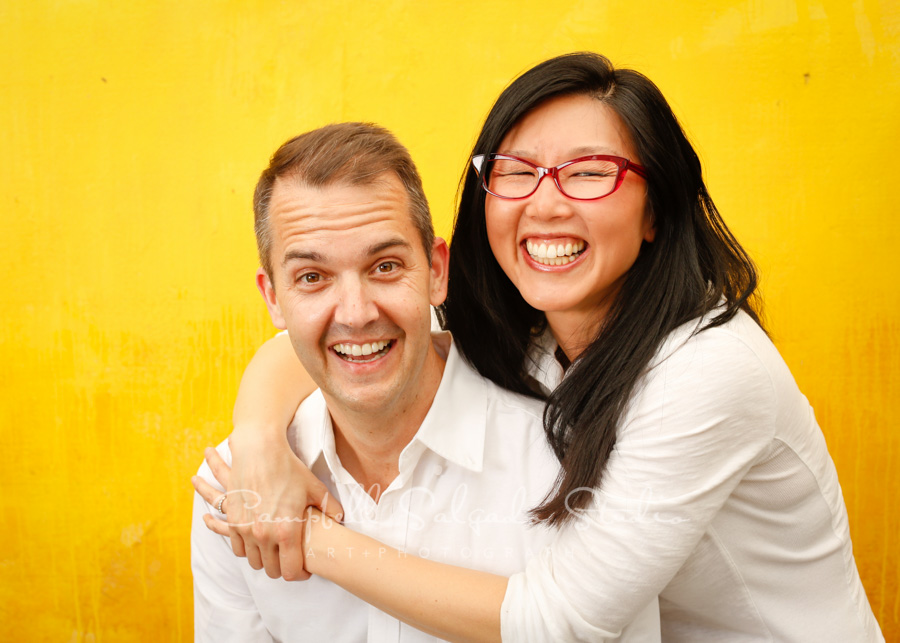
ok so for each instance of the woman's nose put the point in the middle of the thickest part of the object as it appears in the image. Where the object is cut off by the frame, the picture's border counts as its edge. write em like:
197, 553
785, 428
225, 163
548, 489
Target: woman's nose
547, 201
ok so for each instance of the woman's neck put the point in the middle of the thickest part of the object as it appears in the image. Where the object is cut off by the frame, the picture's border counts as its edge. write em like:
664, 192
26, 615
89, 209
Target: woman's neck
575, 330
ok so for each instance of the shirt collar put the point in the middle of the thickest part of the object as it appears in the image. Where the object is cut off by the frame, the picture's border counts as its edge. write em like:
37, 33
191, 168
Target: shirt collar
454, 427
310, 433
541, 362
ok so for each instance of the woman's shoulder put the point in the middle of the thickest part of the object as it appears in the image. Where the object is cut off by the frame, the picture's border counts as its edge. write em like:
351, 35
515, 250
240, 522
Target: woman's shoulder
733, 364
740, 342
708, 390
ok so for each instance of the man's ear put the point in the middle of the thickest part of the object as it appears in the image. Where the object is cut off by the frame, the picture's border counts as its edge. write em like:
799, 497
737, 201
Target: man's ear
267, 290
440, 263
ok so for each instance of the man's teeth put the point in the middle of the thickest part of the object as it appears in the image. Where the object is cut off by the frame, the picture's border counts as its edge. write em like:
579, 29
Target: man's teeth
357, 350
554, 254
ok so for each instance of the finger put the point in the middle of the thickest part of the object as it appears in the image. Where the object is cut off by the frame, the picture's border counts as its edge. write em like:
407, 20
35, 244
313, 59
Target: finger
290, 551
254, 557
318, 496
307, 530
237, 544
216, 526
292, 564
331, 507
208, 492
219, 469
265, 543
271, 561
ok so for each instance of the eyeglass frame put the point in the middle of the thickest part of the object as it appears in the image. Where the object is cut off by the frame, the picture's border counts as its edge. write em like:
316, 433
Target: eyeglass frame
479, 160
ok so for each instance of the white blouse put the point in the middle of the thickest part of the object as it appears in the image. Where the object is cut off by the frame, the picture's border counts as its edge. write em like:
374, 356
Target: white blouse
720, 497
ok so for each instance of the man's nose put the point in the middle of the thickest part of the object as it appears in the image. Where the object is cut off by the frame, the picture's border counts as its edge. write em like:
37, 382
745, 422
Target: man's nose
355, 307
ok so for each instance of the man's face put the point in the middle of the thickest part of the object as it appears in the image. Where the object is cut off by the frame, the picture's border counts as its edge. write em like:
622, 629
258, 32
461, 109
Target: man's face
353, 288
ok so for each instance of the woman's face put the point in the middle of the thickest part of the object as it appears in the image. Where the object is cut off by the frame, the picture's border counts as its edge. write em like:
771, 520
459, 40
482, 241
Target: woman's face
609, 231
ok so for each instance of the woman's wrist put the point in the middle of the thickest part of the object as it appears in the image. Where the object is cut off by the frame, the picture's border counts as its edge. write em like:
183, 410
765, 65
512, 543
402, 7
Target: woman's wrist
329, 547
317, 546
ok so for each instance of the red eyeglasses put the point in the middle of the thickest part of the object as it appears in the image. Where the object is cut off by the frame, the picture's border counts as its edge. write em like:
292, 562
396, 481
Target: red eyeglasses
585, 178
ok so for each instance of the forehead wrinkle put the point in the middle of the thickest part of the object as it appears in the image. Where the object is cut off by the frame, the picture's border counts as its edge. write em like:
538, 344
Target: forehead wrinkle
334, 215
295, 194
313, 224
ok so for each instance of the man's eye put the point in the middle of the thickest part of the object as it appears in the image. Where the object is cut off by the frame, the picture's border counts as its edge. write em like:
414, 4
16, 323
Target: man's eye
386, 266
310, 278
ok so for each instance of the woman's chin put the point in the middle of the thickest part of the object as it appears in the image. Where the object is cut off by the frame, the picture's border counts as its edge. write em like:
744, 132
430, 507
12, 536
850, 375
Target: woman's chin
549, 302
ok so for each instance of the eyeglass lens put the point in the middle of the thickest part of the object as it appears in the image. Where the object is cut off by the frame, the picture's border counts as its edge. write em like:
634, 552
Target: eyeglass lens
581, 180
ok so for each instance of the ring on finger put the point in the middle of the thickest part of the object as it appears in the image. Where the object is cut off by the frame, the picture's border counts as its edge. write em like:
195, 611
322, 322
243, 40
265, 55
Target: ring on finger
219, 504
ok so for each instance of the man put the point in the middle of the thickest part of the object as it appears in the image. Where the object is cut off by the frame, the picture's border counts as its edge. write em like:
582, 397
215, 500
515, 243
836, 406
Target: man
422, 453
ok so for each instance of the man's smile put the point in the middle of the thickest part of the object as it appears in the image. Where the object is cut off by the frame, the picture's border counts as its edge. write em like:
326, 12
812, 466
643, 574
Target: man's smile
366, 352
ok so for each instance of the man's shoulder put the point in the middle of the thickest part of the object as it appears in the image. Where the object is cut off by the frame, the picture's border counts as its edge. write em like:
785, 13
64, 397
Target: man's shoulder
515, 446
503, 407
499, 398
505, 401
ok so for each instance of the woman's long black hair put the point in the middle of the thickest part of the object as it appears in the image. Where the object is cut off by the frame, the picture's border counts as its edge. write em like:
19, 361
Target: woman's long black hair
693, 265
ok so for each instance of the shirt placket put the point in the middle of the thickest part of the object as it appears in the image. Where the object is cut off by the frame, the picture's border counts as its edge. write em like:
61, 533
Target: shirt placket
390, 525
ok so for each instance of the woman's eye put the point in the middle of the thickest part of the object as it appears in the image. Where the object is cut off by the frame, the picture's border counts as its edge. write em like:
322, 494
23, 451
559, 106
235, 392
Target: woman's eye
523, 172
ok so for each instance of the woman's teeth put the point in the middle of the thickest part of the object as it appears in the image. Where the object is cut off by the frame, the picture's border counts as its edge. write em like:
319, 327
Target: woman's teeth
554, 254
349, 351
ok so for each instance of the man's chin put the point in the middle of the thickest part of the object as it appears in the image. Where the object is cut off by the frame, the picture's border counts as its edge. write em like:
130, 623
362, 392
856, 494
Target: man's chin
366, 399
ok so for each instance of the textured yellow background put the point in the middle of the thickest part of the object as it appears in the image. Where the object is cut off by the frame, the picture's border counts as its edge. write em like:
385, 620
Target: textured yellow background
132, 133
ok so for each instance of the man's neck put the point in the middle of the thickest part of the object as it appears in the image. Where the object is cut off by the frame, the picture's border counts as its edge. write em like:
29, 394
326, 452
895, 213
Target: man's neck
369, 444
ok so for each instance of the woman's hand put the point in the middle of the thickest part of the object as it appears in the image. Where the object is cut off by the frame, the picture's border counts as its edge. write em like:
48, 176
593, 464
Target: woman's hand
265, 503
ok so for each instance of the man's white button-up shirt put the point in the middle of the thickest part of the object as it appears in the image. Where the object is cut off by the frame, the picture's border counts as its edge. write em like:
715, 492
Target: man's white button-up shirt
467, 479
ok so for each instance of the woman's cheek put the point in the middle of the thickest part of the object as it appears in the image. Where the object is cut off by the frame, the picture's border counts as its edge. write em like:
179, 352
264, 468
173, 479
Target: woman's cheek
501, 232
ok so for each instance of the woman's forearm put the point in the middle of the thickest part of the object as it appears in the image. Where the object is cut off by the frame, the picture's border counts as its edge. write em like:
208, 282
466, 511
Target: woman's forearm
454, 603
272, 387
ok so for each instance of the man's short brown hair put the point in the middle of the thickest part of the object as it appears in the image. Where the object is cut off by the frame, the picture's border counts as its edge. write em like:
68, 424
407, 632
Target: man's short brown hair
348, 153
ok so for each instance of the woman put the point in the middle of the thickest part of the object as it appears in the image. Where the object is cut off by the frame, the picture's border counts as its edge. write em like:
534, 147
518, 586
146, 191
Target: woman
588, 262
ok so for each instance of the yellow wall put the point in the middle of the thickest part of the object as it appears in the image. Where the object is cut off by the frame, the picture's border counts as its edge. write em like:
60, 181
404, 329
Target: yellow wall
131, 135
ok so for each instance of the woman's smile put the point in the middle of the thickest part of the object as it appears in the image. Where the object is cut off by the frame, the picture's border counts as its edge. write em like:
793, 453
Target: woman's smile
554, 253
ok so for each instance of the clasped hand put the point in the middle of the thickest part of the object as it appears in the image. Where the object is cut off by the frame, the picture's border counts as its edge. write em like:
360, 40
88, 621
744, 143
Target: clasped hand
268, 526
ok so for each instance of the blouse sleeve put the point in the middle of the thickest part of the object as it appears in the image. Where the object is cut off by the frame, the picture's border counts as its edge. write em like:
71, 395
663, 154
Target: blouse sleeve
695, 425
